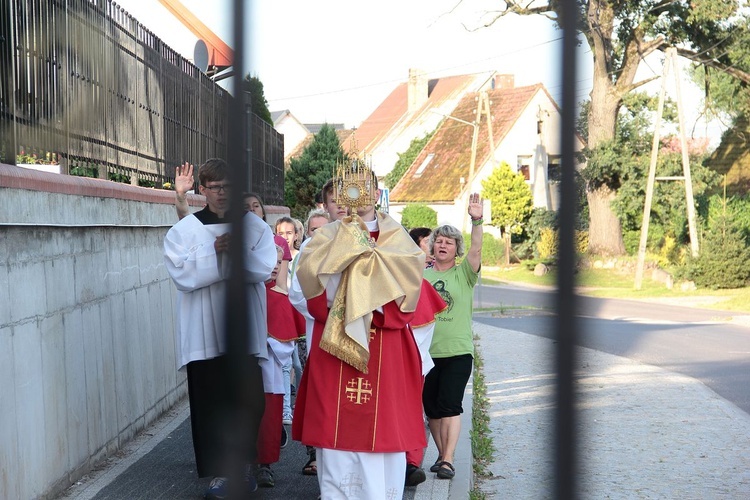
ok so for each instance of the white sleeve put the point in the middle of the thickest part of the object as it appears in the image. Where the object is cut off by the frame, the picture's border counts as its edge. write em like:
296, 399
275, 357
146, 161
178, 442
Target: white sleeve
423, 337
296, 297
191, 264
260, 249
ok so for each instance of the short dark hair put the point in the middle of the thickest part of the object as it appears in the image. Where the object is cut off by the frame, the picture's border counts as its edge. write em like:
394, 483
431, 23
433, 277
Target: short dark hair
419, 233
212, 170
327, 191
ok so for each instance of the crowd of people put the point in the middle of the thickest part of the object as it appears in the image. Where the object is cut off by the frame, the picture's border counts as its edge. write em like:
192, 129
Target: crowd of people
359, 334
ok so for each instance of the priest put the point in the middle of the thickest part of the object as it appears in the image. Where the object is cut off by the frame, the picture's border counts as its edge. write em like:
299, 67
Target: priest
359, 400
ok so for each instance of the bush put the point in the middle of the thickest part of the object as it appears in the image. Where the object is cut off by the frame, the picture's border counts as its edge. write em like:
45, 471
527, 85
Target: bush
724, 259
548, 242
418, 215
493, 249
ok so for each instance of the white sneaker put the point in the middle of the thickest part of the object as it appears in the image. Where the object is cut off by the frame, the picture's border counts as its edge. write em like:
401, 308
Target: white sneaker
286, 419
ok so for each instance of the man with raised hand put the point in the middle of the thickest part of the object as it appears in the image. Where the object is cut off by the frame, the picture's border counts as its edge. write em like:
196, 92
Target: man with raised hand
196, 258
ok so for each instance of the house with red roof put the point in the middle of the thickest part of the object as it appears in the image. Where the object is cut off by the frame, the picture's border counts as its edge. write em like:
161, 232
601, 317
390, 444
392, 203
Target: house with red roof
412, 110
522, 130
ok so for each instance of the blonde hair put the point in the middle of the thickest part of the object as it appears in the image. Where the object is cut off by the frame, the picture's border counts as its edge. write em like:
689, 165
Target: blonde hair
316, 212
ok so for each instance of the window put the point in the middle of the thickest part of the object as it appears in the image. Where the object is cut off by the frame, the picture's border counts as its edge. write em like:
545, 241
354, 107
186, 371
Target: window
524, 166
424, 164
553, 168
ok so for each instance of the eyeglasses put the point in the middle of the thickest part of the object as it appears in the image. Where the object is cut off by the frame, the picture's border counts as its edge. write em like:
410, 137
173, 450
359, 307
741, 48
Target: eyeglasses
218, 189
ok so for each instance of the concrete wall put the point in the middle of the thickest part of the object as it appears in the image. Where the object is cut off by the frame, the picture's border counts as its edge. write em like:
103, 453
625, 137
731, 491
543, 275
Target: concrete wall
87, 355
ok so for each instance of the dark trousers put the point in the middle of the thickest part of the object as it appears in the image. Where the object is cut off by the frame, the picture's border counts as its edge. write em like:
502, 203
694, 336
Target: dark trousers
224, 425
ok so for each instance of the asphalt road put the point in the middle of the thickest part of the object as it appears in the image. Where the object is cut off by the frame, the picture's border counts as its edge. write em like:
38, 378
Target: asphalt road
699, 343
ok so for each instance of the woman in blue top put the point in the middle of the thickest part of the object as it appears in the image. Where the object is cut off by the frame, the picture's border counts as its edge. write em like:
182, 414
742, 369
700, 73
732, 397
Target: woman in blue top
452, 347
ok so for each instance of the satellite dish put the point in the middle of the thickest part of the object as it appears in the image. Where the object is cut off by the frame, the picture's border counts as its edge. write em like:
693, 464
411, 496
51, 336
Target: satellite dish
200, 55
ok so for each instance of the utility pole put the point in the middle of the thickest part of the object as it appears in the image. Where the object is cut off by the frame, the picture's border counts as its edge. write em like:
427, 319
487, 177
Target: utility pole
686, 177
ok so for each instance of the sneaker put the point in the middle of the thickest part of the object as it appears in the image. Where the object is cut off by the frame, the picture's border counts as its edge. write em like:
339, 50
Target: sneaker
286, 419
414, 475
284, 437
264, 476
217, 489
252, 484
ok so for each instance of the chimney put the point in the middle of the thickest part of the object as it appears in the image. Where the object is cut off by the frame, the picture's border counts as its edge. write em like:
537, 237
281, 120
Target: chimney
504, 82
416, 89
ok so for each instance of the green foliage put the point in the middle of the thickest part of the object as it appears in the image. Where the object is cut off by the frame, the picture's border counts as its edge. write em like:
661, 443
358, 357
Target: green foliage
405, 160
724, 259
482, 446
540, 219
418, 215
669, 205
85, 170
308, 172
548, 244
493, 249
736, 208
125, 179
511, 198
34, 158
258, 102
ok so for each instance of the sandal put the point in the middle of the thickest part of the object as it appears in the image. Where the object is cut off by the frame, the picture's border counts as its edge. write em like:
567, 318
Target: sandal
446, 470
310, 468
436, 465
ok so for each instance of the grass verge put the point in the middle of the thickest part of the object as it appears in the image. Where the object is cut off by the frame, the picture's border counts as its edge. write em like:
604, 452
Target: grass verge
482, 446
616, 285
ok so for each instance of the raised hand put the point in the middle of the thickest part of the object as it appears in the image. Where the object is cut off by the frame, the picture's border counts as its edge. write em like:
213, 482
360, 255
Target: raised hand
183, 179
476, 206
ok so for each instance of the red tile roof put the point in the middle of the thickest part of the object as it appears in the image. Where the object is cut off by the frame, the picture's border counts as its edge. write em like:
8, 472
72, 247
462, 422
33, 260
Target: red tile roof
440, 181
394, 110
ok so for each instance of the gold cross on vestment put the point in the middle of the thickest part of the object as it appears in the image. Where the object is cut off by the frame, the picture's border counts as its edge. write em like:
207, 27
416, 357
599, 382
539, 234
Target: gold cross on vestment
358, 391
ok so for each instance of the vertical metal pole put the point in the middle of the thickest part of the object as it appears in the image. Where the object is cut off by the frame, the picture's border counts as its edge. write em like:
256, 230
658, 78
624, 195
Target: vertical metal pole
240, 373
651, 179
566, 430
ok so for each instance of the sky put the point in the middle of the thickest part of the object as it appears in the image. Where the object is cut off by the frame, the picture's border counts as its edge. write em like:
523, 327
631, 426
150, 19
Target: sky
335, 61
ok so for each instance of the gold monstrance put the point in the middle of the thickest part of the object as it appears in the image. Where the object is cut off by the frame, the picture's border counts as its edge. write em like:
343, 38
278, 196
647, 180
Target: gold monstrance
354, 183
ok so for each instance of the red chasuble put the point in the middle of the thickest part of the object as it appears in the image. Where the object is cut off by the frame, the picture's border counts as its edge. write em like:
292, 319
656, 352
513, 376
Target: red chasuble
339, 407
285, 323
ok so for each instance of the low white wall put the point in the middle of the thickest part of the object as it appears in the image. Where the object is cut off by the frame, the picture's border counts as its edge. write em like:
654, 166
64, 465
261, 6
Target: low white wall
87, 354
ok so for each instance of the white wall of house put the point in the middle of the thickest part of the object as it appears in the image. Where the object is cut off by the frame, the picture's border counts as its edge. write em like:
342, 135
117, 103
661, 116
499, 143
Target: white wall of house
521, 141
294, 132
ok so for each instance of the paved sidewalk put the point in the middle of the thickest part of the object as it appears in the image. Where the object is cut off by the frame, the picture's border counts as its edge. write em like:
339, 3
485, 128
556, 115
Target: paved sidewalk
646, 433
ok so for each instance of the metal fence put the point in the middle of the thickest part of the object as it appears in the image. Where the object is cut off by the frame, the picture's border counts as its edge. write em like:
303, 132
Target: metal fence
84, 84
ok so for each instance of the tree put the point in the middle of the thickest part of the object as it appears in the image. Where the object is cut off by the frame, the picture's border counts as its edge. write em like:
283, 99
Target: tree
258, 102
308, 172
511, 202
405, 160
620, 34
724, 260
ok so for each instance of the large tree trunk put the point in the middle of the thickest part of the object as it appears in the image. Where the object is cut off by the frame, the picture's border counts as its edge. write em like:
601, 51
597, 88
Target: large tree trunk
605, 230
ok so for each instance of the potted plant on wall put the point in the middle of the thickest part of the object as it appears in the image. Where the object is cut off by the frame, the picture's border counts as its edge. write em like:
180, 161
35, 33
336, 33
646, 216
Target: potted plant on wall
48, 162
